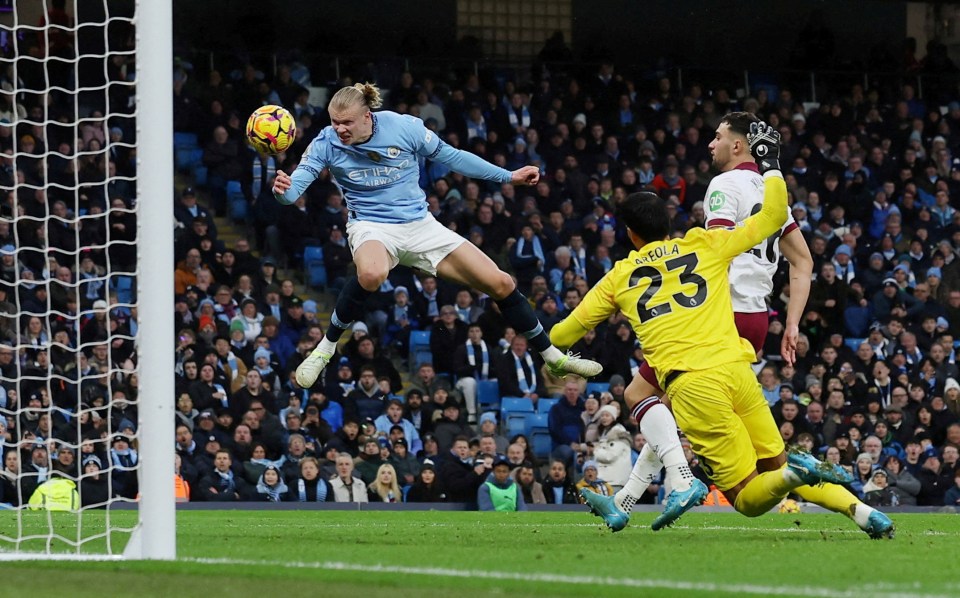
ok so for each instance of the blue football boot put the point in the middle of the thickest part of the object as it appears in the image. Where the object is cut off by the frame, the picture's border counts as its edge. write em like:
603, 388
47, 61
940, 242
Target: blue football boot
605, 507
678, 503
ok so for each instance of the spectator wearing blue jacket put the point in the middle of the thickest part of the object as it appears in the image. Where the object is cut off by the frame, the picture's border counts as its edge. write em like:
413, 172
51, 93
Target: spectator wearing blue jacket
566, 425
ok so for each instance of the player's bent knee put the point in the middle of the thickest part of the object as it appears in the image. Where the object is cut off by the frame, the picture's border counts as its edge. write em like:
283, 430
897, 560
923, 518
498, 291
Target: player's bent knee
371, 280
501, 286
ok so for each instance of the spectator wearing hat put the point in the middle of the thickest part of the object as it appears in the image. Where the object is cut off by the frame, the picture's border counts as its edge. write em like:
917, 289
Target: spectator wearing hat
934, 479
592, 481
249, 319
294, 323
277, 343
404, 462
487, 425
124, 460
186, 210
829, 295
901, 482
863, 469
367, 400
427, 487
500, 492
450, 426
94, 487
270, 486
891, 296
369, 460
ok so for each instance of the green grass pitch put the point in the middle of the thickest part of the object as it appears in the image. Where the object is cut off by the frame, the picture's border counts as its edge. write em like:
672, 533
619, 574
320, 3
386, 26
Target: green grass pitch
466, 554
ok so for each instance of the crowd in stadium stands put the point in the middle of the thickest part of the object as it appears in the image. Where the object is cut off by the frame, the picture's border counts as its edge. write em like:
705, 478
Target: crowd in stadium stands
874, 183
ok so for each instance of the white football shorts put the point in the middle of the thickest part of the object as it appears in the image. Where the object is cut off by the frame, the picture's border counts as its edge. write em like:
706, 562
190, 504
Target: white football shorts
422, 244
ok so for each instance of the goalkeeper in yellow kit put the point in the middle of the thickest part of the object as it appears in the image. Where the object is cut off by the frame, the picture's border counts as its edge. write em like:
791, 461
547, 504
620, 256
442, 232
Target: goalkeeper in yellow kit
676, 294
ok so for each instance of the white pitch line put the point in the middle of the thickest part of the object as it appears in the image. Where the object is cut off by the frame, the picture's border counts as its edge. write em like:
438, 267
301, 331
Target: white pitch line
695, 586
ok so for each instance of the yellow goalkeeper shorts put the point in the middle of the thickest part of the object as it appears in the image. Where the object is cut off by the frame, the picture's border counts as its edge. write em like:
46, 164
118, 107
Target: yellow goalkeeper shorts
726, 418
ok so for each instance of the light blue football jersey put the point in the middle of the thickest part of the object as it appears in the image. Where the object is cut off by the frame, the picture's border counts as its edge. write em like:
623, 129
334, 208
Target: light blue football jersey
380, 178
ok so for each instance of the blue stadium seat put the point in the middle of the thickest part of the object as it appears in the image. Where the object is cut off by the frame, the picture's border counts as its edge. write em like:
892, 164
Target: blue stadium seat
186, 159
541, 444
185, 140
419, 340
123, 287
200, 175
853, 343
236, 201
420, 356
514, 412
544, 404
315, 273
539, 421
597, 387
488, 395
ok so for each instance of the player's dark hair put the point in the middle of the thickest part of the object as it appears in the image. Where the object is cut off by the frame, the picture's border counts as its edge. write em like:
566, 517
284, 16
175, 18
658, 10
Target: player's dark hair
645, 214
739, 122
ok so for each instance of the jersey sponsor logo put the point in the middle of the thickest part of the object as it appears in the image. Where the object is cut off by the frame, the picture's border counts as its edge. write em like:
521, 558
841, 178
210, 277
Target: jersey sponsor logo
717, 199
377, 175
393, 152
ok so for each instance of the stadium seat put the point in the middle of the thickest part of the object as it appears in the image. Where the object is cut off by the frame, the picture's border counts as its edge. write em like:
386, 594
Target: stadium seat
544, 405
514, 412
315, 272
419, 340
539, 421
185, 140
541, 444
186, 159
124, 288
418, 357
597, 387
236, 201
200, 175
488, 395
853, 343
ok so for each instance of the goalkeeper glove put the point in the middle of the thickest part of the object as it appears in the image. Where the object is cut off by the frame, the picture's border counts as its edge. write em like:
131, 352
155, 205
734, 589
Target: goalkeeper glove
764, 142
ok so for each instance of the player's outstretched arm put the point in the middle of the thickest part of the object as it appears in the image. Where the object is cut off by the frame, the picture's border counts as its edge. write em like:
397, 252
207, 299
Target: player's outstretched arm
471, 165
596, 307
774, 213
801, 270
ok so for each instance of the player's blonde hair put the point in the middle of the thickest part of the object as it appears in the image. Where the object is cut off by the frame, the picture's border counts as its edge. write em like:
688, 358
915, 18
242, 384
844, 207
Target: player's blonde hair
366, 94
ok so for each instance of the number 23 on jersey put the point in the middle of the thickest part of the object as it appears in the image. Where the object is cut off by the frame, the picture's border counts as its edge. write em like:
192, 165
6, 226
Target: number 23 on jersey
686, 288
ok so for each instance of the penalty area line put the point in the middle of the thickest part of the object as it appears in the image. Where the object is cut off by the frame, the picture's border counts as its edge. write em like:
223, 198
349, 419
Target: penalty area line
697, 586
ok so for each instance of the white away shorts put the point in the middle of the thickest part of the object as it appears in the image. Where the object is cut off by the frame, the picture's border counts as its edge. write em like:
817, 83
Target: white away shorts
422, 244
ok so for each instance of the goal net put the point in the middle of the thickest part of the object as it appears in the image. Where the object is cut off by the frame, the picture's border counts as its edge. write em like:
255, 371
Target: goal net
86, 269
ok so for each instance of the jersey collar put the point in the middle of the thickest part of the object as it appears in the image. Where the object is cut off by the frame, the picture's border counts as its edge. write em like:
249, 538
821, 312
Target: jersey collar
751, 166
373, 116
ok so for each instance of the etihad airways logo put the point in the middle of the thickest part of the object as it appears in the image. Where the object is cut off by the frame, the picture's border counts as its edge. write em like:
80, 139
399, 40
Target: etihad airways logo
377, 175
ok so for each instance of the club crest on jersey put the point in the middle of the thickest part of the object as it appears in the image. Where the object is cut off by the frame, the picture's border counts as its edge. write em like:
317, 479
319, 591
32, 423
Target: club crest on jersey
374, 156
393, 152
717, 199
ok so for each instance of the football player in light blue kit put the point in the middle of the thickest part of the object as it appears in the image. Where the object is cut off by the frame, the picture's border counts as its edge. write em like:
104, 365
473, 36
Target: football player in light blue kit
374, 159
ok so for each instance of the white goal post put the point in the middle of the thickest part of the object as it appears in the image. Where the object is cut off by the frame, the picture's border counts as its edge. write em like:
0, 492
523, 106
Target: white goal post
85, 532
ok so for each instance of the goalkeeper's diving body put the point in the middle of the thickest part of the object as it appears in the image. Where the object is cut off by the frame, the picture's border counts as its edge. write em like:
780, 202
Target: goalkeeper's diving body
374, 159
733, 195
676, 294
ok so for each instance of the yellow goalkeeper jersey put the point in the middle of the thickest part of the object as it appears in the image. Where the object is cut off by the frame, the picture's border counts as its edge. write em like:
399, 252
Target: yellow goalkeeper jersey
676, 293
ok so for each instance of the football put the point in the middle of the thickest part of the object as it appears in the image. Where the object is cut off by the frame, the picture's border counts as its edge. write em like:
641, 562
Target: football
788, 506
271, 129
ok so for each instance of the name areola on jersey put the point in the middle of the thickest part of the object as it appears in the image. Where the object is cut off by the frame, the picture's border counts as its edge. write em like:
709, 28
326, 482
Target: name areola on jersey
657, 253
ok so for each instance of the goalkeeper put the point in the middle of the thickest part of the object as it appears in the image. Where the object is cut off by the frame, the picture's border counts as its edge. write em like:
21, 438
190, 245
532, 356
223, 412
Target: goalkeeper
374, 159
668, 288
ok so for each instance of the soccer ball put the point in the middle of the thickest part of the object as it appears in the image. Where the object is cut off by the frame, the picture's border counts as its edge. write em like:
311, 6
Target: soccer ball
788, 506
271, 129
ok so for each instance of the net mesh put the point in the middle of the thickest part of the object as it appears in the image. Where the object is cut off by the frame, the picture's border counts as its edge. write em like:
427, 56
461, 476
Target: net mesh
68, 268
